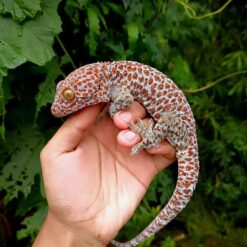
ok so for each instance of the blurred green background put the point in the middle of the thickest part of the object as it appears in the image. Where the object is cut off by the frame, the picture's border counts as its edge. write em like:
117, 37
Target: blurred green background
201, 45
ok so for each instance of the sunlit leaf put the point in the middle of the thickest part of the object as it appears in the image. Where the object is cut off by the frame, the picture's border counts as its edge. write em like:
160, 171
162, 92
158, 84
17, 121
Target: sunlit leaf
133, 33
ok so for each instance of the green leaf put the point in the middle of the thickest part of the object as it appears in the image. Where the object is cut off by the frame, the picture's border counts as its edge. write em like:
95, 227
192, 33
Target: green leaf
168, 242
20, 9
236, 59
33, 223
147, 242
180, 72
2, 131
82, 3
2, 111
133, 33
94, 29
31, 41
18, 174
9, 55
126, 3
5, 96
47, 88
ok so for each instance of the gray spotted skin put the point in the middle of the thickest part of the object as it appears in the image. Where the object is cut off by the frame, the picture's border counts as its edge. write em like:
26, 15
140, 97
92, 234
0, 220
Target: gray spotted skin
120, 83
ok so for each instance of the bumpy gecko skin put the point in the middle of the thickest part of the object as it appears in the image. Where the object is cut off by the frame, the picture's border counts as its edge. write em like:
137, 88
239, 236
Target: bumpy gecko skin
122, 82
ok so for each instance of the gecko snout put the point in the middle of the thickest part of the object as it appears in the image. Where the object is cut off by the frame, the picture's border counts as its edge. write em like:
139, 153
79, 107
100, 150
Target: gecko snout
56, 111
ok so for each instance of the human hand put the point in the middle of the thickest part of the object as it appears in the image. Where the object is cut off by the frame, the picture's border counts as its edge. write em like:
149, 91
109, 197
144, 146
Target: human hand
93, 183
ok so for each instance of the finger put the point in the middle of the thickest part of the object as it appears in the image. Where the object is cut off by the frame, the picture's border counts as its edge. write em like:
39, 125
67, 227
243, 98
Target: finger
165, 149
123, 118
128, 138
71, 132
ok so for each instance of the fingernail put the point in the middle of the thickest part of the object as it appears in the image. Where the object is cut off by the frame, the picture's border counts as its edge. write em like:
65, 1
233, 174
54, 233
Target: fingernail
129, 135
125, 116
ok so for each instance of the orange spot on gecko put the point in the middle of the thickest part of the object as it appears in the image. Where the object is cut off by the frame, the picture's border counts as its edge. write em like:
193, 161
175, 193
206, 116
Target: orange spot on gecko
187, 191
189, 168
146, 72
161, 86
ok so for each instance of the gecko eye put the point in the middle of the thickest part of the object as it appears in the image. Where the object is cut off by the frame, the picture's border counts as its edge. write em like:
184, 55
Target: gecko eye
68, 94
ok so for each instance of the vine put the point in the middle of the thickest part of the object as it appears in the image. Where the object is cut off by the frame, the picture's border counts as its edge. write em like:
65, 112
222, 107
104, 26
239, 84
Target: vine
192, 13
66, 52
211, 84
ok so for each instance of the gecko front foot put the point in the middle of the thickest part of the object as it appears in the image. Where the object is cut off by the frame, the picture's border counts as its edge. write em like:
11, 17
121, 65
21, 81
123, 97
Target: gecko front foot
149, 138
120, 102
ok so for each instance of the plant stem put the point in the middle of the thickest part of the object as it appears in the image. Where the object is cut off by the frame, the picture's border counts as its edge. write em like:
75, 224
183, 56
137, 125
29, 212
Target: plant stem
211, 84
66, 52
192, 13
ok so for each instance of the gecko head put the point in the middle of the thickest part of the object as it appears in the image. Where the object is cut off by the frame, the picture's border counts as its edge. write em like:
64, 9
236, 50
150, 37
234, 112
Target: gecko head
79, 89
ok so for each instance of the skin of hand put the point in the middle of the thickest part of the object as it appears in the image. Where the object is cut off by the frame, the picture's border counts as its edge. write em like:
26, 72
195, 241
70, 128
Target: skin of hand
92, 182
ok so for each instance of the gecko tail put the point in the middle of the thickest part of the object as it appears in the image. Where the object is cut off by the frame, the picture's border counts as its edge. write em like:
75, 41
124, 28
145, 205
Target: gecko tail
188, 171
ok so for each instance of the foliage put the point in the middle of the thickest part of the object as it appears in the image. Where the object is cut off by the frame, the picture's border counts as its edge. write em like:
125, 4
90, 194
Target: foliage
200, 45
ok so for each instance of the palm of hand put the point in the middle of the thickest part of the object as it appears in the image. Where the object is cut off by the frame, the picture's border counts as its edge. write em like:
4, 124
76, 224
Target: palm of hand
99, 182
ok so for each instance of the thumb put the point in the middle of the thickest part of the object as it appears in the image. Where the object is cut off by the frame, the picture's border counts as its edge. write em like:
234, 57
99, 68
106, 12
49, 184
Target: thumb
71, 132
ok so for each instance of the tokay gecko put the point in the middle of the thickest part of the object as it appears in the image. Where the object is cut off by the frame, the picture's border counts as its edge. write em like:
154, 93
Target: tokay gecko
122, 82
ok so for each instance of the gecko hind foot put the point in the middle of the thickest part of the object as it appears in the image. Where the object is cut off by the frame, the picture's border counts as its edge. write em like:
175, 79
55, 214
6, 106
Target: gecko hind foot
149, 139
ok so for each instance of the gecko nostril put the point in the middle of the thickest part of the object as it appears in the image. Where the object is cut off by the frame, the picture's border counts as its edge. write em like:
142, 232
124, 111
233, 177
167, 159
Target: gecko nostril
55, 110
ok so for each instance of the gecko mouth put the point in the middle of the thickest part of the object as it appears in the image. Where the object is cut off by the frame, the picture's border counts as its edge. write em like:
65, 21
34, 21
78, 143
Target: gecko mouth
56, 111
59, 111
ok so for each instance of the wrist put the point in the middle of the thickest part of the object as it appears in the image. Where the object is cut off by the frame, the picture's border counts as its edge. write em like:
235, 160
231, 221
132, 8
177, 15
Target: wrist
54, 233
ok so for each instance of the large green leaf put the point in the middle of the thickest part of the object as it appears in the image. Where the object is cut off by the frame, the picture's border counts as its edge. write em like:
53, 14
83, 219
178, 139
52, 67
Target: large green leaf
31, 41
18, 174
9, 55
20, 9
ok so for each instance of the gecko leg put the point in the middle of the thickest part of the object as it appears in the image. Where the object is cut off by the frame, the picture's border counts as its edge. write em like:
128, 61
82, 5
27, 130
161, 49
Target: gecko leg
176, 129
169, 126
122, 101
147, 133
